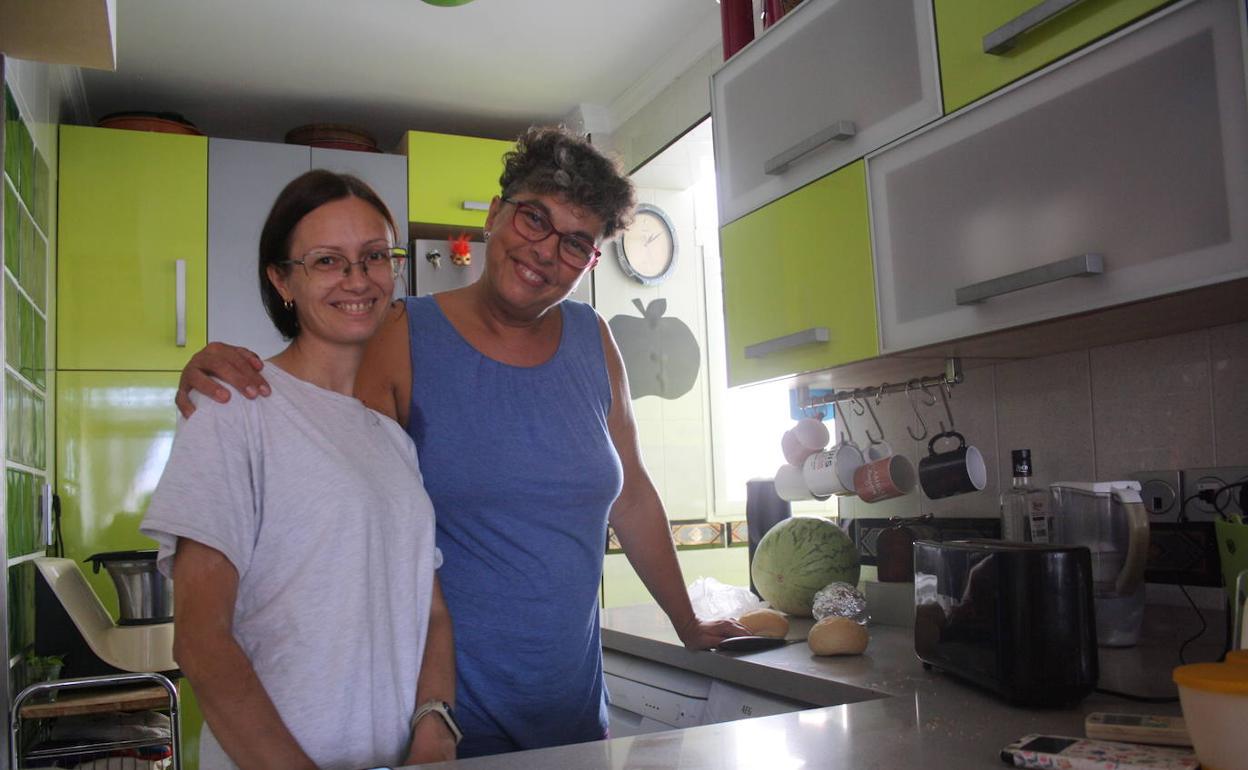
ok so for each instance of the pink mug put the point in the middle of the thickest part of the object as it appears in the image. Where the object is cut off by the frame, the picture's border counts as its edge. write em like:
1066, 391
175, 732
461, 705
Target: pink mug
882, 479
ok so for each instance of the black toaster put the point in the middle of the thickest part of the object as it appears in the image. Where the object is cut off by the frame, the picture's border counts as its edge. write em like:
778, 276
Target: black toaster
1015, 618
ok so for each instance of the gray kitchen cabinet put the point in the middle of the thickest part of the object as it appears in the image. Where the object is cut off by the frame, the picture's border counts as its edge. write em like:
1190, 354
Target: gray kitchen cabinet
244, 178
1117, 175
828, 83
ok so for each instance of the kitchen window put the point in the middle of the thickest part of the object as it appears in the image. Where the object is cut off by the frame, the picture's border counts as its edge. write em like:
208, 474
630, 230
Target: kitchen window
703, 444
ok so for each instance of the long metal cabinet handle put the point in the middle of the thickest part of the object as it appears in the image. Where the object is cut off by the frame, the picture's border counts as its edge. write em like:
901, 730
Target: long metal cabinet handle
476, 206
837, 132
796, 339
1075, 267
179, 301
1004, 37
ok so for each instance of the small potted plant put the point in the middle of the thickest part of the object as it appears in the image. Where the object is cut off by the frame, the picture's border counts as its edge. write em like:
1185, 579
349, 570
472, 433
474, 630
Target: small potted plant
43, 668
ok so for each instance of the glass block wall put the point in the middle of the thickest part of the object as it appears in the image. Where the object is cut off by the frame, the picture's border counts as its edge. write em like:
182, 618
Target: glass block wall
27, 197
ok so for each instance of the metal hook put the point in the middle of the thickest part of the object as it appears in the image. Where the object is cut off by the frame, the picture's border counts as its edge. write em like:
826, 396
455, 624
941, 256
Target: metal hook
878, 427
917, 415
856, 403
842, 423
944, 398
879, 393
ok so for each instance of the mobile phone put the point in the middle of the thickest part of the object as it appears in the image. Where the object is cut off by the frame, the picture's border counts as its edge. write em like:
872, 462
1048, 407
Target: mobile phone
1137, 728
1049, 751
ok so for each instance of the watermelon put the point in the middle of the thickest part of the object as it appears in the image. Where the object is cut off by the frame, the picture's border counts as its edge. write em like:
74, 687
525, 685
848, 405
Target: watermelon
799, 556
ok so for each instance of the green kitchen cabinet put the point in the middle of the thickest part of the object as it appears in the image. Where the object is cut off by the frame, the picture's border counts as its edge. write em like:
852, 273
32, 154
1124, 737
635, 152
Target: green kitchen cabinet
799, 291
132, 271
452, 179
964, 28
114, 431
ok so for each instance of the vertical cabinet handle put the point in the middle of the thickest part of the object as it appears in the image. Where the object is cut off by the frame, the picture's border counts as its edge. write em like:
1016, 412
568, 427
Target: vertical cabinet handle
839, 131
1003, 38
179, 302
476, 206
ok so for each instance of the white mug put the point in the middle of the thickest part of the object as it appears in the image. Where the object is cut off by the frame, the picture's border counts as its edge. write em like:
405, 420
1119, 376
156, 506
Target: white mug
812, 433
831, 472
795, 453
790, 484
803, 440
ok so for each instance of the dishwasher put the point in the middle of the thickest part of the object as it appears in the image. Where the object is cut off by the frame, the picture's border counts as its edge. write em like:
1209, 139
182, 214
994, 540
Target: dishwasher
646, 697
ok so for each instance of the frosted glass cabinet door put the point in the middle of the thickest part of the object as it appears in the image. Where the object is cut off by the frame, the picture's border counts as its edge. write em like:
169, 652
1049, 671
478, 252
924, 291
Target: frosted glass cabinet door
828, 83
1135, 150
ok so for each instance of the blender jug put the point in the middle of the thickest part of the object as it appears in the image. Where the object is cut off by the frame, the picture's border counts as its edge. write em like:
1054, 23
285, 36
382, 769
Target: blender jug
1110, 520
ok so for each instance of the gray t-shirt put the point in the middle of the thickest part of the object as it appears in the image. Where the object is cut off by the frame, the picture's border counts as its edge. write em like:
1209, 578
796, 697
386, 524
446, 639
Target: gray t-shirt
319, 503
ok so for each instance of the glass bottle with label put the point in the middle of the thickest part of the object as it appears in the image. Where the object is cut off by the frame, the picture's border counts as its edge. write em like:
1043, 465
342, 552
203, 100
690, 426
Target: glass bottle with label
1024, 509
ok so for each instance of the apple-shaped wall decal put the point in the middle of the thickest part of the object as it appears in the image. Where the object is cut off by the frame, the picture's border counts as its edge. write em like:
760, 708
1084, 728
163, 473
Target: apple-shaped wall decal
661, 355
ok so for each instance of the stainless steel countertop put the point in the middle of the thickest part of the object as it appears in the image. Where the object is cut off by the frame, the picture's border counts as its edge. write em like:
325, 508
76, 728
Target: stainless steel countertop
897, 714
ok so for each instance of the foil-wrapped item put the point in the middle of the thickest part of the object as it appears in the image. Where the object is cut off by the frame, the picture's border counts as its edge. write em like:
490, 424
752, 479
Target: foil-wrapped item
840, 600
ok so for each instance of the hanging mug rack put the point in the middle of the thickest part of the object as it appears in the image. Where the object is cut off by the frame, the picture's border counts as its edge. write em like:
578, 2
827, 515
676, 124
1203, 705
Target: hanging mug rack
917, 386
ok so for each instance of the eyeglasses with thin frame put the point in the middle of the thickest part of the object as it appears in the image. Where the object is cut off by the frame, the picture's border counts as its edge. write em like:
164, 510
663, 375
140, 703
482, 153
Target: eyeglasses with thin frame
534, 225
324, 264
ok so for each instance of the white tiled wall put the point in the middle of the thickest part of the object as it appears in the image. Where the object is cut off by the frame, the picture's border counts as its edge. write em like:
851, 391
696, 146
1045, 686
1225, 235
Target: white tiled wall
1096, 414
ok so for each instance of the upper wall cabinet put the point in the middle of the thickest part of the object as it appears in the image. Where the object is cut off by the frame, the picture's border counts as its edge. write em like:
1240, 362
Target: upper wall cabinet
797, 281
452, 179
828, 83
985, 44
132, 249
1118, 175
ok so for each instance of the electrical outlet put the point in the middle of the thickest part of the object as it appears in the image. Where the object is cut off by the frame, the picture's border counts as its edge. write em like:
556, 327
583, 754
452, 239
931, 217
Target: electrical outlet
1160, 492
1196, 480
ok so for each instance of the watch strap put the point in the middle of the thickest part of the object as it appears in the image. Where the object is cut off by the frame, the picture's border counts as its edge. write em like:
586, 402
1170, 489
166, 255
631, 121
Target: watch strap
442, 709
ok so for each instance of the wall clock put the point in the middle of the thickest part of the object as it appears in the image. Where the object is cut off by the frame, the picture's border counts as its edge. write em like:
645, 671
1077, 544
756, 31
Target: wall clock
647, 249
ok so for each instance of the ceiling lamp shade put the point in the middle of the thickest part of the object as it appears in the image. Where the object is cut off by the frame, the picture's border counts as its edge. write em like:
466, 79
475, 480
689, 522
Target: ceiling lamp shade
447, 3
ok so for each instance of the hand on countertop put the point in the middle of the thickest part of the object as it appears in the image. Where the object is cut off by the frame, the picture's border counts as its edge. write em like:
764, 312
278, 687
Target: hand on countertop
700, 634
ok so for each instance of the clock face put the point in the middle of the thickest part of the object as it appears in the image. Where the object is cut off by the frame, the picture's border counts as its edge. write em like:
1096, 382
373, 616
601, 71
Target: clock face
648, 246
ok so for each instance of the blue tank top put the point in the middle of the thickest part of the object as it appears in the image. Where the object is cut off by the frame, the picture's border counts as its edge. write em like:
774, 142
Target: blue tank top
522, 473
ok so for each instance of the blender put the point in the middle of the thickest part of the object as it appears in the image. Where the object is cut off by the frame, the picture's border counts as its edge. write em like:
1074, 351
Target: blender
1110, 520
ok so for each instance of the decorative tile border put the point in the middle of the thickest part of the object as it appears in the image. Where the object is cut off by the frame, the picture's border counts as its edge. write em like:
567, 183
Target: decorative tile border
866, 532
702, 534
695, 535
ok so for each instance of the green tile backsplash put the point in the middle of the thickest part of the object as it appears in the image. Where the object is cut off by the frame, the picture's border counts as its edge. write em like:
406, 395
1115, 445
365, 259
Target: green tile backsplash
25, 413
22, 518
26, 190
21, 607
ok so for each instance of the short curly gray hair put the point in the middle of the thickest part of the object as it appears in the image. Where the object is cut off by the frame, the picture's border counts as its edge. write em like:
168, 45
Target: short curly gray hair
553, 160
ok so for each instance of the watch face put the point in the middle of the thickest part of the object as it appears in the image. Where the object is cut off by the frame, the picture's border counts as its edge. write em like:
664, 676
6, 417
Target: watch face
648, 246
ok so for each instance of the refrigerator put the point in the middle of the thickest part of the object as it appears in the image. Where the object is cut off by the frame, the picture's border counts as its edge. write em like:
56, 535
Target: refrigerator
432, 269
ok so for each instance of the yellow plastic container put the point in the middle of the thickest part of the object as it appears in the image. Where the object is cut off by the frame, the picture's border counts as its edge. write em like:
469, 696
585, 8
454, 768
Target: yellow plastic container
1214, 697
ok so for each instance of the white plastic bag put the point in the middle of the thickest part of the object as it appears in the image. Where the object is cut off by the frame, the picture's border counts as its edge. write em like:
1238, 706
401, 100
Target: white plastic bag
713, 600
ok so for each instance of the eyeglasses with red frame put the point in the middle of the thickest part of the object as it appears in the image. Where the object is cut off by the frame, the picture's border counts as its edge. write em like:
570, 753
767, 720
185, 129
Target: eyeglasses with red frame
534, 225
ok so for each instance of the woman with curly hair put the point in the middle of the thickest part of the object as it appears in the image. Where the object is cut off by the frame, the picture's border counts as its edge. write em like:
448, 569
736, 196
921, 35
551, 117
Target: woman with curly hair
518, 403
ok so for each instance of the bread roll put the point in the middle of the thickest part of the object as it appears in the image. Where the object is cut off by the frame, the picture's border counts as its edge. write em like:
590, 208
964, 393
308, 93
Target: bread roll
764, 622
837, 636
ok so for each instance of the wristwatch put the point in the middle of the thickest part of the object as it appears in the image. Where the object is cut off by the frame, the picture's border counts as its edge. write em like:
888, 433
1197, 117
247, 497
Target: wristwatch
444, 710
